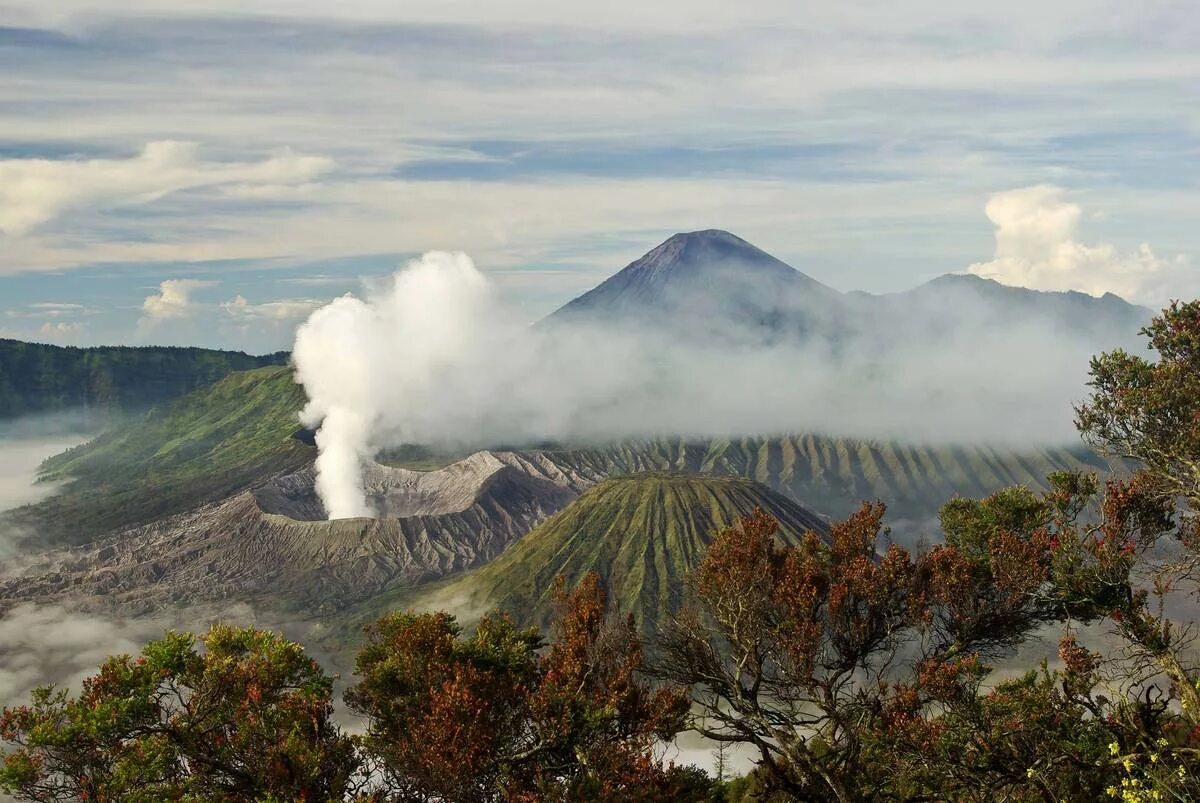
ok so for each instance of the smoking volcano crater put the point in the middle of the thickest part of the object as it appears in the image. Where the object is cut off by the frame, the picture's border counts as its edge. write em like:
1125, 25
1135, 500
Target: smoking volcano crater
483, 478
275, 542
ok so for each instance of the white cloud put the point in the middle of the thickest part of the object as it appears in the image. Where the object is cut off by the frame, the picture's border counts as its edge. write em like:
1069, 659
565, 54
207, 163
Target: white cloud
56, 308
933, 105
36, 191
173, 299
1037, 246
61, 330
49, 644
275, 311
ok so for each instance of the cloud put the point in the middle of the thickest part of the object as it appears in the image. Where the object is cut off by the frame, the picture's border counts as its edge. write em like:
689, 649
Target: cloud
49, 644
25, 443
55, 308
173, 299
1037, 246
64, 642
61, 330
36, 191
860, 163
437, 357
270, 311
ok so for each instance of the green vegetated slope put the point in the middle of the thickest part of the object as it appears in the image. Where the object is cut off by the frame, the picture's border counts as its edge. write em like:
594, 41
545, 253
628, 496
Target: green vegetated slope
204, 446
834, 475
40, 378
643, 534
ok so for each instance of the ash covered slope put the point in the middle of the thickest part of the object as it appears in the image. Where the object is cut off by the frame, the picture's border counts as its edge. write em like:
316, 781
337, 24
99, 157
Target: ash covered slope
642, 534
272, 544
834, 475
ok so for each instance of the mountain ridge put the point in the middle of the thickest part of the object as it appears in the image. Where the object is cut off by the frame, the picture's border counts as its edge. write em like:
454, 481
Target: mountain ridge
697, 281
40, 378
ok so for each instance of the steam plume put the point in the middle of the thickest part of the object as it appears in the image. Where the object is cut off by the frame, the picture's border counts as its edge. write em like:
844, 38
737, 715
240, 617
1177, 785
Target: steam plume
362, 362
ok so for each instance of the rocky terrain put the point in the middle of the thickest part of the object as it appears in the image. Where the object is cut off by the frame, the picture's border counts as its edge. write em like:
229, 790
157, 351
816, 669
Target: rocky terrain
273, 543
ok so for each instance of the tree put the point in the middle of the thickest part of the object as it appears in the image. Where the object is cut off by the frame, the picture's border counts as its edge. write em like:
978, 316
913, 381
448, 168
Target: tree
493, 717
837, 661
246, 718
1148, 412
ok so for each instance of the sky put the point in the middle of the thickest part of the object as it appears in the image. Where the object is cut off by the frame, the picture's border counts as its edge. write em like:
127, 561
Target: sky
177, 171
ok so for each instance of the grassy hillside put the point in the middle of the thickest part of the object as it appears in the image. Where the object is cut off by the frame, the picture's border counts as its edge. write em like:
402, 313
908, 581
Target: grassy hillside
201, 447
833, 475
39, 378
642, 533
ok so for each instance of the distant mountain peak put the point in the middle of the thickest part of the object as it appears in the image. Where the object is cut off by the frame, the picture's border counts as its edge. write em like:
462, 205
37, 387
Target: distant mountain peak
701, 275
695, 243
704, 248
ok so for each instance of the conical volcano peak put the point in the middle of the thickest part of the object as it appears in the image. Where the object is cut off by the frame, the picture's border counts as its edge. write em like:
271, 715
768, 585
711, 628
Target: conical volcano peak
706, 248
704, 279
715, 241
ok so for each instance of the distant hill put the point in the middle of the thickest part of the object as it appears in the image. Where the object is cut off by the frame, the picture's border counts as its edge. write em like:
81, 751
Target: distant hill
39, 378
229, 436
642, 533
714, 284
960, 302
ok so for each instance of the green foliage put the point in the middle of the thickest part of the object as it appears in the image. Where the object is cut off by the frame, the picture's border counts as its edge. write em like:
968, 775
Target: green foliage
1150, 411
38, 378
970, 523
246, 718
1032, 738
201, 447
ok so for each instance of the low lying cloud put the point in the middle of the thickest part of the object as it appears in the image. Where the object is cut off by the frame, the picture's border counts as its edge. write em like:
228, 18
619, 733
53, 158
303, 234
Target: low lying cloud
177, 314
50, 644
25, 443
36, 191
1037, 246
435, 358
61, 644
173, 299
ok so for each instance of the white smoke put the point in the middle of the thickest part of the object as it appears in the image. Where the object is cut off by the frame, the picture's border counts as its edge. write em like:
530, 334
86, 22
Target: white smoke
435, 359
370, 367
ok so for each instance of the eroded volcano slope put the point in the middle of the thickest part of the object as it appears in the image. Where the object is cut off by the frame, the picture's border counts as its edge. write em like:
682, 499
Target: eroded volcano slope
274, 542
642, 533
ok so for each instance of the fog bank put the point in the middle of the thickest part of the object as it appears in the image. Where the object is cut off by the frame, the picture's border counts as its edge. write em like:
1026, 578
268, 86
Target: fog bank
436, 358
24, 444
